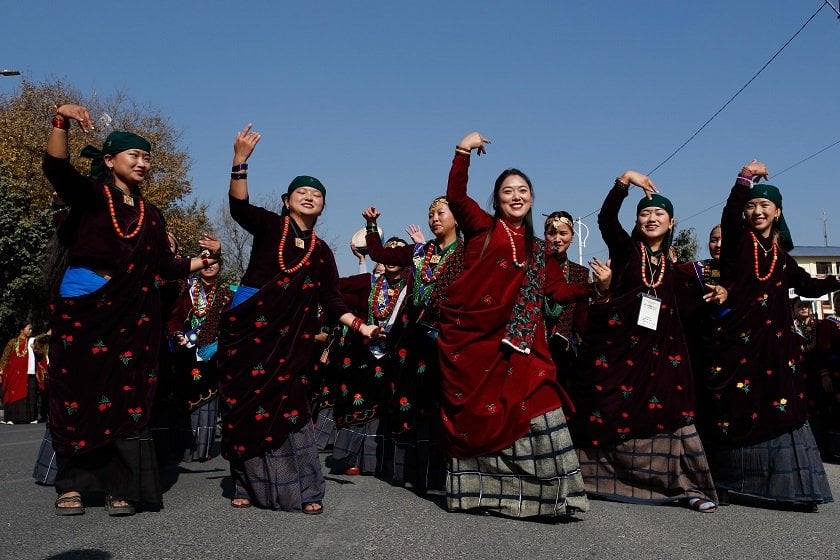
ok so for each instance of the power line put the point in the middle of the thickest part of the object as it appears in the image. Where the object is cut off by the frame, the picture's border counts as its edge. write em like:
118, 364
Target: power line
737, 93
807, 158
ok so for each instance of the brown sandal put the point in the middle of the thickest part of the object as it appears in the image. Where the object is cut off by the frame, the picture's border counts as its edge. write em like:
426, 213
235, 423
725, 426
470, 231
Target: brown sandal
76, 509
313, 508
702, 505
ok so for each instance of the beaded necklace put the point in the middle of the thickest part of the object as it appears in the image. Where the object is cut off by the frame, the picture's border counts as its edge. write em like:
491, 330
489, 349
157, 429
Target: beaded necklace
304, 261
429, 273
510, 233
21, 351
775, 250
381, 304
114, 215
646, 265
202, 305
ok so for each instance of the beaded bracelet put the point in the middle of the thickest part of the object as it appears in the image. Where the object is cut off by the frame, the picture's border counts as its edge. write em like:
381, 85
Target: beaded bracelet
619, 183
238, 176
241, 167
60, 122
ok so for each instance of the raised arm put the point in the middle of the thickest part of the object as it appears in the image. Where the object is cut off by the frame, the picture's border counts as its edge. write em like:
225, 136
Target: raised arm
70, 185
467, 212
243, 146
394, 256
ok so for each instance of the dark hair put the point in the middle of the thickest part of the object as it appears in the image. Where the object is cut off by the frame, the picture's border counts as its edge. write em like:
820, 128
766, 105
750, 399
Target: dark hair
22, 323
395, 239
529, 220
549, 220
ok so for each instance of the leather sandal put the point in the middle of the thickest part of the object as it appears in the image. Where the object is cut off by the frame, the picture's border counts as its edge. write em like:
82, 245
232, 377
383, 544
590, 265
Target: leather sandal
702, 505
313, 508
76, 509
114, 510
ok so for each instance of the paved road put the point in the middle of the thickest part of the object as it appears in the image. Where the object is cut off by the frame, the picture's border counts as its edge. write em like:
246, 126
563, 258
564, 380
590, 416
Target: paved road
366, 518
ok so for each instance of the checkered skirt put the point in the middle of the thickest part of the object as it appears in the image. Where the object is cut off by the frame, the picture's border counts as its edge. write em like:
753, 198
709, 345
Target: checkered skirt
538, 475
659, 469
283, 478
786, 469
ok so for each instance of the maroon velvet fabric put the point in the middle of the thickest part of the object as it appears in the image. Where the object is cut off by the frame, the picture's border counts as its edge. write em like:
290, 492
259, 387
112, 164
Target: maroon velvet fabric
104, 345
634, 382
489, 392
752, 375
104, 351
266, 343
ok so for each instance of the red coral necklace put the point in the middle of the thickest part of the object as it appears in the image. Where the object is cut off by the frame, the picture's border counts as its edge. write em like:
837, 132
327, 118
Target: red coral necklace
304, 261
646, 265
114, 216
775, 249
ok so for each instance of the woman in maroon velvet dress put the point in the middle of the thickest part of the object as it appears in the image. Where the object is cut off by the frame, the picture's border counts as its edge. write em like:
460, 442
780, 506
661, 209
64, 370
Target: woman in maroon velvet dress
106, 320
635, 428
502, 408
757, 434
564, 322
267, 344
361, 374
415, 403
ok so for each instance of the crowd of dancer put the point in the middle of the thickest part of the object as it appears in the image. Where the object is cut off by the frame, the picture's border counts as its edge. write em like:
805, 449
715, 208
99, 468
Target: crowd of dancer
482, 363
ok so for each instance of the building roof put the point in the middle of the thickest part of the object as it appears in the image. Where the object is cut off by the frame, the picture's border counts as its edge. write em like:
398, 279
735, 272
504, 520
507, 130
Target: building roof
815, 251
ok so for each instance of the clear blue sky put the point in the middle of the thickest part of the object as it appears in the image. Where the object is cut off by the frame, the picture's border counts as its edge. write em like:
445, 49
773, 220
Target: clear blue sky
372, 96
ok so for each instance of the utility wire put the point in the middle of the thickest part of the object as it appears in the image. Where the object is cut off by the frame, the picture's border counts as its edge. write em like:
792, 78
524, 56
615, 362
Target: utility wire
731, 99
737, 93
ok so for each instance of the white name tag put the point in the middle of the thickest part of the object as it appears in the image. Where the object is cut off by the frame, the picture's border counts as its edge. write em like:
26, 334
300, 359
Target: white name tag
649, 312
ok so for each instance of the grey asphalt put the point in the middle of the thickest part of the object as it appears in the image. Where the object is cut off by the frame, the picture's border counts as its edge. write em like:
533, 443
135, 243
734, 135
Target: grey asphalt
366, 518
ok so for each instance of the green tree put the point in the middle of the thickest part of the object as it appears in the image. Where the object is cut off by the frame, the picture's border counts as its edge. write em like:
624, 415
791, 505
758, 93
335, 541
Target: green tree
26, 225
685, 245
24, 231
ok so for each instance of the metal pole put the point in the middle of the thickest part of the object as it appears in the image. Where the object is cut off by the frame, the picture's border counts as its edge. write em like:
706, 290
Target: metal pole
583, 235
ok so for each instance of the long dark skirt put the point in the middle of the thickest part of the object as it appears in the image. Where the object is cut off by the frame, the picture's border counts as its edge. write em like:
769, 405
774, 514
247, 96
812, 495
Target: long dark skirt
786, 469
656, 470
18, 412
325, 430
284, 478
361, 445
125, 469
417, 459
202, 432
46, 466
538, 475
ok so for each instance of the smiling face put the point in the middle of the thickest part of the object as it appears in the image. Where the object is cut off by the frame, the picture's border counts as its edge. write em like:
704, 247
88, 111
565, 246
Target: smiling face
714, 242
654, 223
761, 214
129, 167
513, 199
305, 204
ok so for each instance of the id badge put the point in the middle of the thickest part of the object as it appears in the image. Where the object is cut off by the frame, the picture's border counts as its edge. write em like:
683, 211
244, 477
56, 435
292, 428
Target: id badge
649, 312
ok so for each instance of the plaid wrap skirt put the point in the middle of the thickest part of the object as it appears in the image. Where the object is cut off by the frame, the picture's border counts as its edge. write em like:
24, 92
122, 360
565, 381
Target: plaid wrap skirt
656, 470
538, 475
786, 469
283, 478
